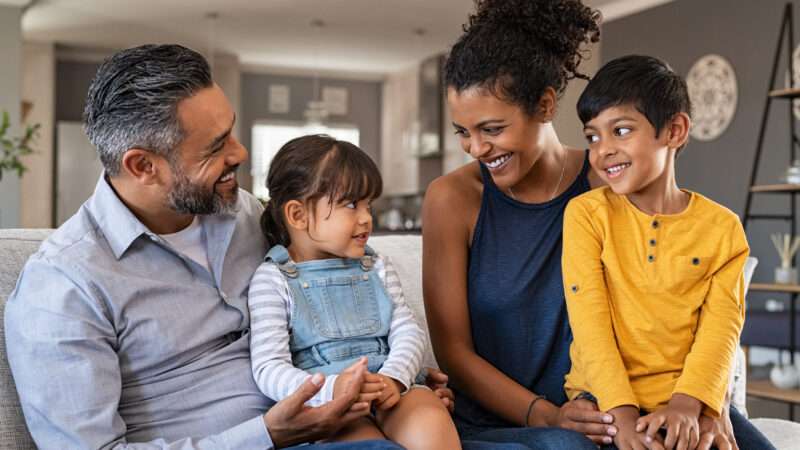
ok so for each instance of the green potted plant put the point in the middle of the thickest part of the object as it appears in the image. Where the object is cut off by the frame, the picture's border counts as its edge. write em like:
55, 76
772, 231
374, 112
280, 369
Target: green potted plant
15, 147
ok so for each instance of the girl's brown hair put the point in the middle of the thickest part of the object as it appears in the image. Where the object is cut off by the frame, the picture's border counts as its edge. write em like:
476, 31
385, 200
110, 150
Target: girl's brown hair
311, 167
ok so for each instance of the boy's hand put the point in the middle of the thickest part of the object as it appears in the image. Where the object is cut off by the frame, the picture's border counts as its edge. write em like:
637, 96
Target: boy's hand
391, 393
717, 432
628, 438
681, 419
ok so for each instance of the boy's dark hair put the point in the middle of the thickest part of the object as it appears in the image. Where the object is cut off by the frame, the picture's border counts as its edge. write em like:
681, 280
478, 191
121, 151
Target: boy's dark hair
311, 167
517, 48
645, 82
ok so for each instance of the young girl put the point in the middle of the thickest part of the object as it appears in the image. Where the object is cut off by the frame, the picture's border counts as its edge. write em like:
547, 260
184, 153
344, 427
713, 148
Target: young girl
323, 300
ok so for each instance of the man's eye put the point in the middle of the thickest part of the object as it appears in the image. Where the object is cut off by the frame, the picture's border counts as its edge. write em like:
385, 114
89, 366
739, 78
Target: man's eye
461, 132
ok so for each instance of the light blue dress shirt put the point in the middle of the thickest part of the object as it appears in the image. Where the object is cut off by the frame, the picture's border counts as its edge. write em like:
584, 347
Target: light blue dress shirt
116, 340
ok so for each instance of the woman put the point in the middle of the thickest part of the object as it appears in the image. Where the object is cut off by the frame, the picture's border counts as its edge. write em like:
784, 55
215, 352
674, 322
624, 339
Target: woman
492, 265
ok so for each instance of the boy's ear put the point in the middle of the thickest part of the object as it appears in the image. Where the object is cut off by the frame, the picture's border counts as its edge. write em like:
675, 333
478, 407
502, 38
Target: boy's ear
548, 104
296, 215
678, 130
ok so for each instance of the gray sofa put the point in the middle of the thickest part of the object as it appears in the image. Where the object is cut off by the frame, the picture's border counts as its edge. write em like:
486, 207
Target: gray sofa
404, 251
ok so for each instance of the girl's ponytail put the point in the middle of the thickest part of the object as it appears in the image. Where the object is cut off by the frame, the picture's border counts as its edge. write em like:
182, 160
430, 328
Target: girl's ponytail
273, 226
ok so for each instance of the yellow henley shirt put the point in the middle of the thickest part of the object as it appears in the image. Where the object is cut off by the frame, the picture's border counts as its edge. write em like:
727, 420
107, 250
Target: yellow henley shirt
656, 303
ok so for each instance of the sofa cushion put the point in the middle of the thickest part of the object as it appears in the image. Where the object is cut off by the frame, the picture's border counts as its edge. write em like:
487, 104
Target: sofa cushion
15, 248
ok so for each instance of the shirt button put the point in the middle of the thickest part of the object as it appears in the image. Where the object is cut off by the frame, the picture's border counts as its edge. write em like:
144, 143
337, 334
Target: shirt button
305, 285
655, 224
365, 277
651, 258
652, 242
696, 261
574, 288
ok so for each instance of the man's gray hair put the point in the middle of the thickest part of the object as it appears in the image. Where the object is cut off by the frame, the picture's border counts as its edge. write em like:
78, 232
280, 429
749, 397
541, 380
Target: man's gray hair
133, 101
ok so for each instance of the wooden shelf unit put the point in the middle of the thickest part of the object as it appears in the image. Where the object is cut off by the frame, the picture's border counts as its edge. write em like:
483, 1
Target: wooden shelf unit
772, 287
766, 390
775, 188
785, 93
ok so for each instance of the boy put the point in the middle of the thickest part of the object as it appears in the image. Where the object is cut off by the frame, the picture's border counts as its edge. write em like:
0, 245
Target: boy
653, 274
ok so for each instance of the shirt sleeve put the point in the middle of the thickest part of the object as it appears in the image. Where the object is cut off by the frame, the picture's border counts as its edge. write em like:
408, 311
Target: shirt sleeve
406, 338
61, 344
270, 304
709, 362
589, 311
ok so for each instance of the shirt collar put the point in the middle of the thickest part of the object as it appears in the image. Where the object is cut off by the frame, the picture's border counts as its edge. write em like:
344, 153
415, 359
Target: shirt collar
121, 227
118, 224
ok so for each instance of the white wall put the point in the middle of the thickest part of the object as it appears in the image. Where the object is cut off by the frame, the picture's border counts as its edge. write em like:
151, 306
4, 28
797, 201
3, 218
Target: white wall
38, 88
10, 70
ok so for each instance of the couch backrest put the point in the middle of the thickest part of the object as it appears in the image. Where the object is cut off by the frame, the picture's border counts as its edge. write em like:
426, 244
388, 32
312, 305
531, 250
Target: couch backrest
15, 248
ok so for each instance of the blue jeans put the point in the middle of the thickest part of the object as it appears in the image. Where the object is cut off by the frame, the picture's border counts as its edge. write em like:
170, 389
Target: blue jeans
361, 445
747, 436
527, 439
388, 445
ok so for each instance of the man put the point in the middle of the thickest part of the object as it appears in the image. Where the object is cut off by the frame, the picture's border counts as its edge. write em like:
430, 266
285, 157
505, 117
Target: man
129, 328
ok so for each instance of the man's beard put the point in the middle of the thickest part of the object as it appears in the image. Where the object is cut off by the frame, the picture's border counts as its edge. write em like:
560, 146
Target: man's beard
189, 198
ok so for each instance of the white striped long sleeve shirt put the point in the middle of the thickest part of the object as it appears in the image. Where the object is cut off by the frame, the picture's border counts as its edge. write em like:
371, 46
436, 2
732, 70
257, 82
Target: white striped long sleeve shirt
271, 303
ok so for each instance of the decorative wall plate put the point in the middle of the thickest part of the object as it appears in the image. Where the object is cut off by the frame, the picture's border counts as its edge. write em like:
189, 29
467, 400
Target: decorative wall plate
714, 93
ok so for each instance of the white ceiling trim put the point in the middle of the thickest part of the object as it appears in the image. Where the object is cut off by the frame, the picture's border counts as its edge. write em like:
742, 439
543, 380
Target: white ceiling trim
622, 8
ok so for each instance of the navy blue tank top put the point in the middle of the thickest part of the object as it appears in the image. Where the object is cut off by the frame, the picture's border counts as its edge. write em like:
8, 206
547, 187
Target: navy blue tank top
515, 294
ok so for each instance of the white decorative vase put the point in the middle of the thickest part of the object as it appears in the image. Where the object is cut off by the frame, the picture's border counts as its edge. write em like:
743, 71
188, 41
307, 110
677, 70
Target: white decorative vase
784, 377
786, 275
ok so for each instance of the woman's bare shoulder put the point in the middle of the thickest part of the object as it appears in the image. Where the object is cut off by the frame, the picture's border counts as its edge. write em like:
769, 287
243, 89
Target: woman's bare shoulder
455, 197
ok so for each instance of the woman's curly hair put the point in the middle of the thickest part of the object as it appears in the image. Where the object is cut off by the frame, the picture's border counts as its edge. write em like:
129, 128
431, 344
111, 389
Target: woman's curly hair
521, 47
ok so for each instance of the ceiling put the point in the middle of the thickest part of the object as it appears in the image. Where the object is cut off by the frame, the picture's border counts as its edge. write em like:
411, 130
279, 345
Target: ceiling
367, 37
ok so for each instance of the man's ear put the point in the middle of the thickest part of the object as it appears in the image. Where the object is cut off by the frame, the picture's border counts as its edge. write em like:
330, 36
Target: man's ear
142, 165
296, 215
678, 130
548, 103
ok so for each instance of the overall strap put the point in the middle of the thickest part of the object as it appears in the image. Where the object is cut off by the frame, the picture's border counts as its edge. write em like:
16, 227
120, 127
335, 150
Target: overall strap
280, 256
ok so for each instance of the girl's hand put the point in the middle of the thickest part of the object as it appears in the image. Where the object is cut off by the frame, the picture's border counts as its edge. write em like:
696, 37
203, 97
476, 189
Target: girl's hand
371, 388
390, 395
680, 417
628, 438
579, 415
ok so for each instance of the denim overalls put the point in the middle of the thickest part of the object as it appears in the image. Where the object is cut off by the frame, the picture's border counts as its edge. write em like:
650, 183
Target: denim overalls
341, 312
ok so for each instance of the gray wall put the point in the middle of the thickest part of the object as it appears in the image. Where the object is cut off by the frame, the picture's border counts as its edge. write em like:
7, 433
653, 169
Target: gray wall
745, 33
72, 85
364, 105
10, 88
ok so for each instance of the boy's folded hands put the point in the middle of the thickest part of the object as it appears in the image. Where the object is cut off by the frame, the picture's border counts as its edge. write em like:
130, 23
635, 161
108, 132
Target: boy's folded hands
680, 418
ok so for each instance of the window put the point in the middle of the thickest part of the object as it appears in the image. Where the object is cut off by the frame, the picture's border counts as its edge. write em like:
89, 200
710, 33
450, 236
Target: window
269, 137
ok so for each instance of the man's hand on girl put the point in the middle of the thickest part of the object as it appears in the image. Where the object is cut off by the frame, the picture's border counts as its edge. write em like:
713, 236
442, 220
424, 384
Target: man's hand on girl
680, 418
291, 422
